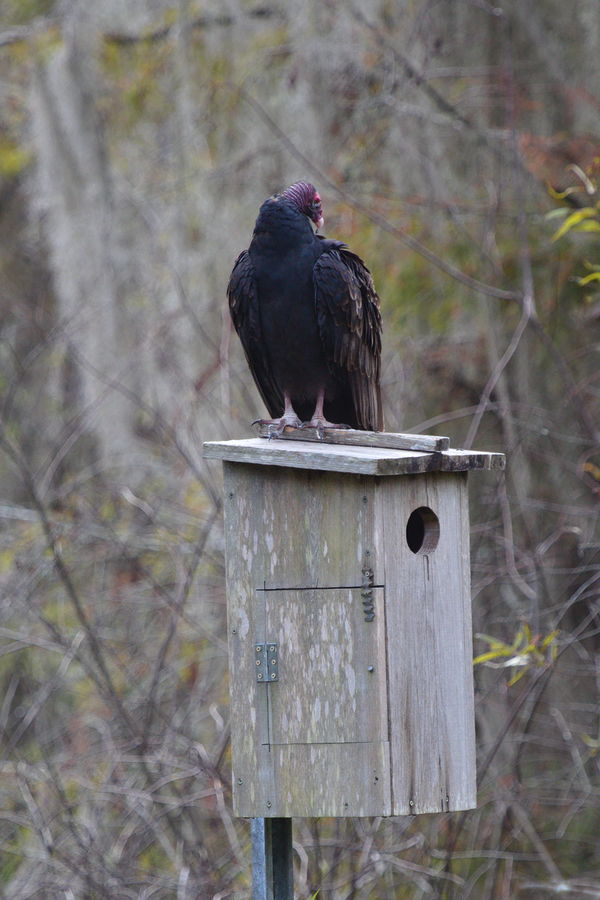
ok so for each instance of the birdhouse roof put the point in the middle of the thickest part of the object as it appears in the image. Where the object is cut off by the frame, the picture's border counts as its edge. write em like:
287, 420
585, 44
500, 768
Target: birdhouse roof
355, 452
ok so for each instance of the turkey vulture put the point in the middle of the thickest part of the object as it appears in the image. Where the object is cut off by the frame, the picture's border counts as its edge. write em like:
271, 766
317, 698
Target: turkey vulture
307, 314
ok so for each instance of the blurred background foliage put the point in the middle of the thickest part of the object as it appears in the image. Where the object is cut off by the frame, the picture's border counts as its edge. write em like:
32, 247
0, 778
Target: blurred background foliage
456, 147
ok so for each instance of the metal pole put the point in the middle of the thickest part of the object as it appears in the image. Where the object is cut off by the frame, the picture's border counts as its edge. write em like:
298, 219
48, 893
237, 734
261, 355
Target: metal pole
272, 864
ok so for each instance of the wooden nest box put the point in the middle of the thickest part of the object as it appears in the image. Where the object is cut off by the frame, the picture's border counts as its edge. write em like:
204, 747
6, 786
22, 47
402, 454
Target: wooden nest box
349, 619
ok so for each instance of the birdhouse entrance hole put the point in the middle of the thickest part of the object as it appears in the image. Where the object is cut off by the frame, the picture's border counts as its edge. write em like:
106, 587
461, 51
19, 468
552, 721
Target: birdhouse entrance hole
422, 530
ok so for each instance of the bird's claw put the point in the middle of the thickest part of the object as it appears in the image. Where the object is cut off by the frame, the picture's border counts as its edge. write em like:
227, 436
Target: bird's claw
276, 427
321, 426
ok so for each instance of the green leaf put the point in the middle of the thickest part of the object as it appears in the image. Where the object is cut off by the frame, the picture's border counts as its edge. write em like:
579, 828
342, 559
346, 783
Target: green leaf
559, 213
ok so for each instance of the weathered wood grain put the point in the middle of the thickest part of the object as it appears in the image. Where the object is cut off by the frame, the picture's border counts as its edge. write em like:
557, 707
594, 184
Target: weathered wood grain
296, 547
428, 618
353, 437
339, 779
372, 714
356, 460
332, 686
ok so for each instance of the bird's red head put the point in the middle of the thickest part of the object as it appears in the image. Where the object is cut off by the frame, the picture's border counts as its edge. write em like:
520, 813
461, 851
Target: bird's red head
305, 197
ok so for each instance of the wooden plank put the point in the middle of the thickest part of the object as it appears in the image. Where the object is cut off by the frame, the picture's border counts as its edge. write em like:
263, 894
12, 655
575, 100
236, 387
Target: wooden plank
290, 529
429, 647
333, 779
353, 437
319, 780
332, 678
356, 460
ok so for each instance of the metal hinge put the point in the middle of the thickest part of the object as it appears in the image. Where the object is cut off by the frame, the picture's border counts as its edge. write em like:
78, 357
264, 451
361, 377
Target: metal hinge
366, 593
266, 658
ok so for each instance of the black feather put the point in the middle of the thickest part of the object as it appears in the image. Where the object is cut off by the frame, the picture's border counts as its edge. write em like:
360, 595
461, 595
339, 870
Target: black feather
307, 314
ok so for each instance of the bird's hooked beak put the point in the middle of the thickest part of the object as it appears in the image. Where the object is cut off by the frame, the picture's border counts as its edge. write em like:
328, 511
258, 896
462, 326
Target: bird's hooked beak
319, 223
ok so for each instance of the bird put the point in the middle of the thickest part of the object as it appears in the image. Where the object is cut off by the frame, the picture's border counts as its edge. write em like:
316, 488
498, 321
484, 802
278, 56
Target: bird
308, 317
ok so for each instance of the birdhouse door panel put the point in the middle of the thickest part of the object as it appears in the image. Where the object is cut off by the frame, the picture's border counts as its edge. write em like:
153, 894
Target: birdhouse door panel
331, 666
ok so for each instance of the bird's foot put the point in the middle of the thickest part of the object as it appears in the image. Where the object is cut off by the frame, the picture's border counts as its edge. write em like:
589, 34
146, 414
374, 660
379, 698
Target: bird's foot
278, 426
320, 424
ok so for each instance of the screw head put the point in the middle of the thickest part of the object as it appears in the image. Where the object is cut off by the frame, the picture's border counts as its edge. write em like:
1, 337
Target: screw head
240, 781
370, 668
269, 804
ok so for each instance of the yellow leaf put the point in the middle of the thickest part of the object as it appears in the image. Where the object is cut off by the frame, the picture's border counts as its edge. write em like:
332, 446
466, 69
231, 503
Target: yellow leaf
587, 279
491, 654
527, 632
494, 643
587, 226
549, 638
560, 195
592, 470
516, 677
576, 219
592, 743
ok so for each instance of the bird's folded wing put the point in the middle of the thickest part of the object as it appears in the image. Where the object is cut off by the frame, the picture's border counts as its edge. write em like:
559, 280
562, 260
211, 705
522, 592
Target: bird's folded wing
243, 303
349, 322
